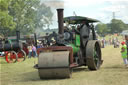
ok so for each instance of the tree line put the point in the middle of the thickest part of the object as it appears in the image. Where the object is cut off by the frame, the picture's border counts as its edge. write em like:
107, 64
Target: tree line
115, 26
23, 15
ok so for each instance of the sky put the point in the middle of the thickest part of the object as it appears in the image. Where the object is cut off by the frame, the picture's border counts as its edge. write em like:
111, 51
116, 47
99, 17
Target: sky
101, 10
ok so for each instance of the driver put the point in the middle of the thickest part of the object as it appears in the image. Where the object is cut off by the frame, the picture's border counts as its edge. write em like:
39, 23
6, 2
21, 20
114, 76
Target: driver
78, 27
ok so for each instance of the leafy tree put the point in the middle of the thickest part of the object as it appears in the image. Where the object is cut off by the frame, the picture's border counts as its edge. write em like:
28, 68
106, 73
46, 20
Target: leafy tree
6, 21
45, 19
29, 15
116, 26
23, 14
101, 29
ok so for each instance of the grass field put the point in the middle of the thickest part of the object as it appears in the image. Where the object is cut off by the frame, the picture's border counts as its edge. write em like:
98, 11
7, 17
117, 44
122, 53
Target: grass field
112, 72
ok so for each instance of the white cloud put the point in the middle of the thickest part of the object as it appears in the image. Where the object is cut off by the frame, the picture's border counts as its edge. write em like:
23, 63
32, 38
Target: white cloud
80, 3
120, 9
104, 13
113, 8
98, 9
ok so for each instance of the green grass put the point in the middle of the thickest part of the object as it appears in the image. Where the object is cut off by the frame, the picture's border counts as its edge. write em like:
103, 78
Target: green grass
112, 72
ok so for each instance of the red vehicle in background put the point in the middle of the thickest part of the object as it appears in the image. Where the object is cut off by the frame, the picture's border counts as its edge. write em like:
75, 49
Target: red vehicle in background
12, 51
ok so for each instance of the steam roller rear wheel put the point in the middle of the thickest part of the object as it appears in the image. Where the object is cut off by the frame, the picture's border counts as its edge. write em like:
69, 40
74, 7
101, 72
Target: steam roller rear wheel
54, 65
21, 55
93, 55
11, 57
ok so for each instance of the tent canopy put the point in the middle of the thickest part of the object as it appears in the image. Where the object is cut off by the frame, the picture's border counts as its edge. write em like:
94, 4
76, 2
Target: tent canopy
79, 19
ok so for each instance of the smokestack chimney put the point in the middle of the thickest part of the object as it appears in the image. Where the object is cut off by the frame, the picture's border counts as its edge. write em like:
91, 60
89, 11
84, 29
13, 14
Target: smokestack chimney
18, 35
60, 21
35, 37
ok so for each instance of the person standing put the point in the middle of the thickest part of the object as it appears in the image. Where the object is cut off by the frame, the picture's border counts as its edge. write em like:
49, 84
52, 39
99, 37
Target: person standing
34, 51
30, 51
126, 40
124, 53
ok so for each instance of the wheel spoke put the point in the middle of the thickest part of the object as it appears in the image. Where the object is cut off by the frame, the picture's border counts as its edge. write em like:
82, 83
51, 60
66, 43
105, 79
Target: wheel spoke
95, 55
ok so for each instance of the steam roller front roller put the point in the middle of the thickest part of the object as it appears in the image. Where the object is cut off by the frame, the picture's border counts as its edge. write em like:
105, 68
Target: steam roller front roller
93, 53
54, 64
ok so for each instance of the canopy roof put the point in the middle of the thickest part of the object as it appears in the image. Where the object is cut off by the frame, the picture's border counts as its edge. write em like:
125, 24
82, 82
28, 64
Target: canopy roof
79, 19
